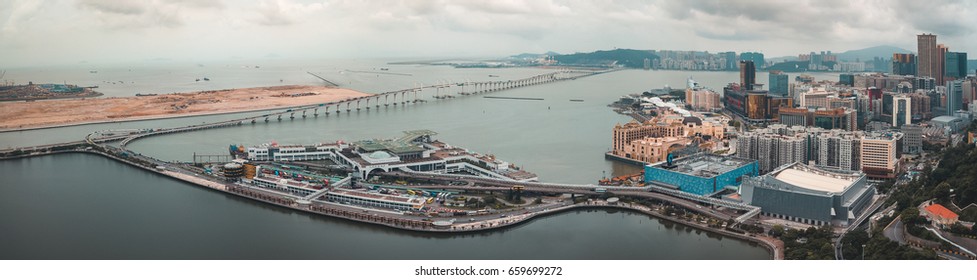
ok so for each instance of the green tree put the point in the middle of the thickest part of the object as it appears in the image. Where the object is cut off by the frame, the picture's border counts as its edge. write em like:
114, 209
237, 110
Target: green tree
910, 216
777, 230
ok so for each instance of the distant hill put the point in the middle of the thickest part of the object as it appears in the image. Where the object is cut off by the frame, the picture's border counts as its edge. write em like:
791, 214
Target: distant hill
867, 54
624, 57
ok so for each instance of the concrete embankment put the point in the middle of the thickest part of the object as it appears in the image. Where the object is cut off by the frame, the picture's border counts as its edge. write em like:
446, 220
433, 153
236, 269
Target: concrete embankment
358, 215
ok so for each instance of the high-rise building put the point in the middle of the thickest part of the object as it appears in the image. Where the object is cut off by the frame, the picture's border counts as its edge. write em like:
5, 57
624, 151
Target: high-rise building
702, 99
954, 97
969, 90
912, 142
756, 57
879, 156
779, 83
847, 79
928, 60
903, 64
901, 110
730, 59
747, 74
779, 144
956, 65
940, 70
927, 83
795, 117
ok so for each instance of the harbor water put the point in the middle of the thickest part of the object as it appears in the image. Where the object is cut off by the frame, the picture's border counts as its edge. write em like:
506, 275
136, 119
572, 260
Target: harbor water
97, 208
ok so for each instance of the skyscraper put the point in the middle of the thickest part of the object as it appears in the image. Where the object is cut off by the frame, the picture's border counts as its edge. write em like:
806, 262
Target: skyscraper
778, 83
747, 74
901, 110
903, 64
954, 97
955, 65
927, 62
940, 70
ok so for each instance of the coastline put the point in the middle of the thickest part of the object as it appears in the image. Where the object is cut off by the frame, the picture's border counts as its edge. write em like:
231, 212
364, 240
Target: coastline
775, 250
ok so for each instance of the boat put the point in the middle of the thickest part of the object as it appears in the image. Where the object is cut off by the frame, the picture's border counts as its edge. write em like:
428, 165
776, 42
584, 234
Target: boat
494, 76
206, 79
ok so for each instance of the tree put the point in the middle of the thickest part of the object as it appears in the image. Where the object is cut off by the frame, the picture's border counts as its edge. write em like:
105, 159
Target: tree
777, 230
489, 200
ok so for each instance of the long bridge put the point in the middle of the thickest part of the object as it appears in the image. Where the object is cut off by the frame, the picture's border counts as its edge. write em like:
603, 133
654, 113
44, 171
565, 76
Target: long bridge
398, 97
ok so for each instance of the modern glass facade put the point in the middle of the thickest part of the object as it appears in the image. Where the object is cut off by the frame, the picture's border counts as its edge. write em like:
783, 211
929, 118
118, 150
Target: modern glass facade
779, 83
698, 184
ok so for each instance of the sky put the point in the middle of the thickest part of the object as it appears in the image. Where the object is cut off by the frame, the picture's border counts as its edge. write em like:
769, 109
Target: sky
53, 32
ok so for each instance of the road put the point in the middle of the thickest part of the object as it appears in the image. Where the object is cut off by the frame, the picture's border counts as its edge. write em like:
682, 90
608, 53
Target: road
894, 231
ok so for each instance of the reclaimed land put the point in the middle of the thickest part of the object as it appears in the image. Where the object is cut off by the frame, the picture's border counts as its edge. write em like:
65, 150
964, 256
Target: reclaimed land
55, 113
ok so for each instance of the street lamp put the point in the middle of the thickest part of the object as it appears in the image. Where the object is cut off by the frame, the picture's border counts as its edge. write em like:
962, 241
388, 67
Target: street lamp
863, 251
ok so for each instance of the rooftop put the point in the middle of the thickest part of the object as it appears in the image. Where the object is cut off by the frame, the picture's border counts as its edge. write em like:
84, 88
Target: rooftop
945, 119
939, 210
813, 181
705, 164
404, 144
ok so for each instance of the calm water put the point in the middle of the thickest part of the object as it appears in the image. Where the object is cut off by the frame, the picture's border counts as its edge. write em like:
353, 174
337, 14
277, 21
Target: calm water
99, 209
102, 209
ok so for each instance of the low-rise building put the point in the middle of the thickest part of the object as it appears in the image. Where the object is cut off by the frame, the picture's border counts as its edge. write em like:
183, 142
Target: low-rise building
940, 215
809, 194
701, 174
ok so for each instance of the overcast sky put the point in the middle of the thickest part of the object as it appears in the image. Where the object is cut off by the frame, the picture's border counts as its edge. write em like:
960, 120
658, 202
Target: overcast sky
39, 32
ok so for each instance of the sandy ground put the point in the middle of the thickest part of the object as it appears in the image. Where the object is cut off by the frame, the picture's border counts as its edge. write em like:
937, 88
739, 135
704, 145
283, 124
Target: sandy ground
24, 115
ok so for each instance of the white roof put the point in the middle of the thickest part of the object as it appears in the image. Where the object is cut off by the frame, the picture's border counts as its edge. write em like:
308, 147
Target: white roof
813, 181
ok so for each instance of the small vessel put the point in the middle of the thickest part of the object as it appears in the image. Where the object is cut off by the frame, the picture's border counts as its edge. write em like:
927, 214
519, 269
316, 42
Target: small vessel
384, 69
206, 79
494, 76
93, 71
197, 80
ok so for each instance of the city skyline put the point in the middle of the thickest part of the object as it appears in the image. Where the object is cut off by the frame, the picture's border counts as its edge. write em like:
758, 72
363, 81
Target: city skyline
34, 32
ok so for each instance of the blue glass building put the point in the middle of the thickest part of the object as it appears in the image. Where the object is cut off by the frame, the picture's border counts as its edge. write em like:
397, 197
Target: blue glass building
701, 174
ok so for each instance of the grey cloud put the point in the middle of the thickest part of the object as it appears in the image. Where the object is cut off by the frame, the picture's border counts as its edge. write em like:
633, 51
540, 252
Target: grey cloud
285, 12
735, 36
953, 18
114, 7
